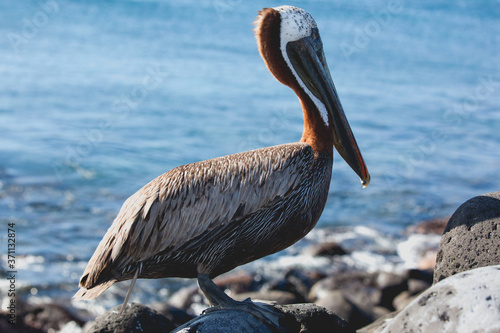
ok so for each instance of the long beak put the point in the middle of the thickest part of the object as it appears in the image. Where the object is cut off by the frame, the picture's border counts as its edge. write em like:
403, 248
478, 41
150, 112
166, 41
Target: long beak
308, 60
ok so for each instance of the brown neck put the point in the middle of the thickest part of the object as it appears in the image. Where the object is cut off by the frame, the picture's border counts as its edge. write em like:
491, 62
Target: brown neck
267, 31
316, 133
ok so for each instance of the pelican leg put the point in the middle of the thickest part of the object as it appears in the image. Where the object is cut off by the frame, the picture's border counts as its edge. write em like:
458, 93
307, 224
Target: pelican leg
221, 301
214, 294
129, 292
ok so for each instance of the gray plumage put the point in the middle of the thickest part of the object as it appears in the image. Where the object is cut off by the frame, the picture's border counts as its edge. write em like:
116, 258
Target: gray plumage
209, 217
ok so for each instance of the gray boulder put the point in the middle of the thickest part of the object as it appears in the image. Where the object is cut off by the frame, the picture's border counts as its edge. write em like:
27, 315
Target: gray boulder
463, 303
471, 238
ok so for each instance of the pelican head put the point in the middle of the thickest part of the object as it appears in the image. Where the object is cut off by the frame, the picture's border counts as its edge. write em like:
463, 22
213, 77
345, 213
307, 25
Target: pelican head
290, 44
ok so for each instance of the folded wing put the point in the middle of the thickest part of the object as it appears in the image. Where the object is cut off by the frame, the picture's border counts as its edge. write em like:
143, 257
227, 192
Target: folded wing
192, 199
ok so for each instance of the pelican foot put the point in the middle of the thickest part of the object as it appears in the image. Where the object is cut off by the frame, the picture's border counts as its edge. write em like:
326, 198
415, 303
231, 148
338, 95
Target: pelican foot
262, 310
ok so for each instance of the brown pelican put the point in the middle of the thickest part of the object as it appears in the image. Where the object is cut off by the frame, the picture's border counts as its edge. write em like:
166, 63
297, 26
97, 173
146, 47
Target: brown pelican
203, 219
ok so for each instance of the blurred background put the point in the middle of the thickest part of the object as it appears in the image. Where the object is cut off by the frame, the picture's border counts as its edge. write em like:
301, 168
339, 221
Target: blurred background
97, 98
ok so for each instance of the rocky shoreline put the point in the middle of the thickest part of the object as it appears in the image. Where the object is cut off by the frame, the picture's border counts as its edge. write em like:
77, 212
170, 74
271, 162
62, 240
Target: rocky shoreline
428, 298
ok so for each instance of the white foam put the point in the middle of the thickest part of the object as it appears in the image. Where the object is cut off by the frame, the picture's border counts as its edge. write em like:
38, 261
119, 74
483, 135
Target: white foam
416, 247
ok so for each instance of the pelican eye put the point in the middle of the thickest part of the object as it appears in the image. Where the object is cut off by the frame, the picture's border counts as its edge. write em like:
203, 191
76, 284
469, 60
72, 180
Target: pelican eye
314, 33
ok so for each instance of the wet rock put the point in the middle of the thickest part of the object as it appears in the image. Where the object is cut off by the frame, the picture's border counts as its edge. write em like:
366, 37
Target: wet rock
226, 321
419, 280
135, 318
419, 274
366, 290
350, 282
336, 302
49, 316
465, 302
185, 297
280, 297
329, 249
19, 327
175, 315
377, 324
295, 281
312, 318
387, 279
471, 238
415, 281
402, 300
433, 226
390, 286
359, 297
238, 283
304, 318
379, 311
417, 286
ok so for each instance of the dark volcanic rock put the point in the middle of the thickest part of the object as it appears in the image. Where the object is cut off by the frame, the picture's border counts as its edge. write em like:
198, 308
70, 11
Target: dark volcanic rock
49, 316
471, 238
238, 283
336, 302
280, 297
312, 319
359, 297
135, 318
185, 297
434, 226
225, 321
326, 249
39, 318
297, 318
418, 281
18, 327
175, 315
295, 282
357, 284
378, 324
390, 285
402, 300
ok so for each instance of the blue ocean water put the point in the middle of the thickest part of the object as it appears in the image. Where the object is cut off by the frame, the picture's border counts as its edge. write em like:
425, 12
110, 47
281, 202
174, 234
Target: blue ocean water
98, 98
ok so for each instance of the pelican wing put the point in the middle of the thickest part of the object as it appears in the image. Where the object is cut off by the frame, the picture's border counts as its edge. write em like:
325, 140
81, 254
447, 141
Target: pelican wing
192, 199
